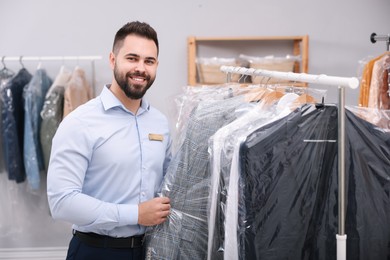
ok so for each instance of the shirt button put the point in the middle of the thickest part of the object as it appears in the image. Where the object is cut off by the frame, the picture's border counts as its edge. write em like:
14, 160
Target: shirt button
143, 194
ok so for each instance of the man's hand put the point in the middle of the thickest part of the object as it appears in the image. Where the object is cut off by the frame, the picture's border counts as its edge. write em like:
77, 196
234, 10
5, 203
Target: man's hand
154, 211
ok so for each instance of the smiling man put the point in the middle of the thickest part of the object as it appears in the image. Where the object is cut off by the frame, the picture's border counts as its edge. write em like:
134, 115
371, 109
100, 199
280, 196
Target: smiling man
109, 157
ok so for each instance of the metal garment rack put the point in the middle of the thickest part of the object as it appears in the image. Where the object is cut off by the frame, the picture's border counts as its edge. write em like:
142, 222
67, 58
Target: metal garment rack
386, 38
21, 59
341, 83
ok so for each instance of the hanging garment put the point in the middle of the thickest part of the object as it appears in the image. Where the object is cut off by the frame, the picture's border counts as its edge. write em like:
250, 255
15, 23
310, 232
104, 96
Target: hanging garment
186, 102
2, 159
77, 91
184, 234
388, 82
52, 112
5, 75
378, 95
366, 81
12, 113
368, 181
282, 198
222, 147
278, 170
35, 93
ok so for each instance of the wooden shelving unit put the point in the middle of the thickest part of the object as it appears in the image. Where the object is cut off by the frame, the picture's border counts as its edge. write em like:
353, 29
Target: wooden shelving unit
299, 45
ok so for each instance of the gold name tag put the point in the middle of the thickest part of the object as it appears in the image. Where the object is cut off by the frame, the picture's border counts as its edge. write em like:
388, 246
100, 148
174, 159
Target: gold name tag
156, 137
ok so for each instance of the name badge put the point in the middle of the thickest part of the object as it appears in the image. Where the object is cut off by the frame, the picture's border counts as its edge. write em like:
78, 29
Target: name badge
156, 137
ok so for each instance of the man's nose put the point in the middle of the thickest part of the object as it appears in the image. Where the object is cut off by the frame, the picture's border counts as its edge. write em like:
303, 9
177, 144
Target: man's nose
140, 66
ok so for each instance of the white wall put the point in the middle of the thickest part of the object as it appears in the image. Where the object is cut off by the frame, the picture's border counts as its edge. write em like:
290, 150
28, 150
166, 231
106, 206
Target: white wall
339, 32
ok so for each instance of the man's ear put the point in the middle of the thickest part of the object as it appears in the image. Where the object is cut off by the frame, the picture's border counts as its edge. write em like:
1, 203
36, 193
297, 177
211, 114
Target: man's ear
112, 60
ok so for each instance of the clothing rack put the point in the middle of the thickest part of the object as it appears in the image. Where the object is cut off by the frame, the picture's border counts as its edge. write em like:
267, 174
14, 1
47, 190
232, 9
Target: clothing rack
341, 83
386, 38
21, 59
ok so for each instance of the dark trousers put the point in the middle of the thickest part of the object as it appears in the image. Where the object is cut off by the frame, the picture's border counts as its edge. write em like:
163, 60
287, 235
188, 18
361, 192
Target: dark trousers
80, 251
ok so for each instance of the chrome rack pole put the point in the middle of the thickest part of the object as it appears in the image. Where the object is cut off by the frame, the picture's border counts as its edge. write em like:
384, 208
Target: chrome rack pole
341, 236
374, 38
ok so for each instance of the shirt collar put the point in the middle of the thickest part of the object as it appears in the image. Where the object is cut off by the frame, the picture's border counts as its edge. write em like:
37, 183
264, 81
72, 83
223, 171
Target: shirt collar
109, 100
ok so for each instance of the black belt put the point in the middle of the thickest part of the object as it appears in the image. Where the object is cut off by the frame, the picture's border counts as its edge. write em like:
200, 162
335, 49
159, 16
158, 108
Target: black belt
96, 240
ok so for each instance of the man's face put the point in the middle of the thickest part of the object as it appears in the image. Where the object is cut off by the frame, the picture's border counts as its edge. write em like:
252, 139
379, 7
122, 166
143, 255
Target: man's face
135, 66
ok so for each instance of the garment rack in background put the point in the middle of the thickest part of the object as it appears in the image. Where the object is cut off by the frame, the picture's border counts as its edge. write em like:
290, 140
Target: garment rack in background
341, 83
21, 59
386, 38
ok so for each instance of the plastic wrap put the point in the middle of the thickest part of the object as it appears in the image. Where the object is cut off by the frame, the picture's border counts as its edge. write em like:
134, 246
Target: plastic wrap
188, 180
25, 220
2, 162
188, 100
277, 167
187, 183
209, 72
271, 62
281, 191
222, 146
368, 186
12, 116
51, 115
374, 82
5, 76
379, 86
377, 117
34, 97
221, 149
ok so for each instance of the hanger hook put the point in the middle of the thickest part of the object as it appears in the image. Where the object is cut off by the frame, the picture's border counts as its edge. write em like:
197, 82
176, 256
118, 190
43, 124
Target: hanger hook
268, 79
20, 61
262, 79
242, 78
228, 77
2, 61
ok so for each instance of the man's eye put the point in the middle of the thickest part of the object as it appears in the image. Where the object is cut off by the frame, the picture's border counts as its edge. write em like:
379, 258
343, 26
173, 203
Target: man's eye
150, 62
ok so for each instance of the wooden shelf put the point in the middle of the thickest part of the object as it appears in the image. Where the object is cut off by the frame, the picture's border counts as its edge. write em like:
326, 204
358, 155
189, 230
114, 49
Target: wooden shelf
298, 45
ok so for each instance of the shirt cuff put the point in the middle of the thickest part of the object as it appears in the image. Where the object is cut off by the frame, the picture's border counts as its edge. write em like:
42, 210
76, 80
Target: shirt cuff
128, 214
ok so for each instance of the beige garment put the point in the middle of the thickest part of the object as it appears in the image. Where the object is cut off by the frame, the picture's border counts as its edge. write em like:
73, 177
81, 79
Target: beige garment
366, 81
77, 91
379, 83
62, 78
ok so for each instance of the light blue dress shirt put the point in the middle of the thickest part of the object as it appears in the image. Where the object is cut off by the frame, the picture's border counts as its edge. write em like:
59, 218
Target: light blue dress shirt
104, 163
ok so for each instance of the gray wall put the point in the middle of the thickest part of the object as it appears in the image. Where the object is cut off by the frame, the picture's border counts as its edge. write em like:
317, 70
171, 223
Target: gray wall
339, 34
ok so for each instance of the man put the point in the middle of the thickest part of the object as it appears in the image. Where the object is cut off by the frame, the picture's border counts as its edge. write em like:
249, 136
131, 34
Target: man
109, 157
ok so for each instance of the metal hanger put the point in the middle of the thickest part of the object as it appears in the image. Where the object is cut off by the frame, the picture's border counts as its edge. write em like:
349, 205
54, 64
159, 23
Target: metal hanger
5, 73
20, 61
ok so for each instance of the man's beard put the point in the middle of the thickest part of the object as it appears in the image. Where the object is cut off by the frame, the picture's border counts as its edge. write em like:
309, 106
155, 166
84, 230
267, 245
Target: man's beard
133, 91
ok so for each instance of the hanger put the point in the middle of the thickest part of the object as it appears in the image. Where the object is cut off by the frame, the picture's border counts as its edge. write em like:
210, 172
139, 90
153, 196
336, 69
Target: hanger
5, 73
270, 98
256, 94
303, 99
39, 64
20, 61
63, 67
77, 67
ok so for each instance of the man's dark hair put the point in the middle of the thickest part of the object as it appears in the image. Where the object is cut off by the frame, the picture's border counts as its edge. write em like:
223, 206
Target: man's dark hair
136, 28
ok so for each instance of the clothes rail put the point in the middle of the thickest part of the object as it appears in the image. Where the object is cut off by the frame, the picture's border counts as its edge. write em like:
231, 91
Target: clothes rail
300, 77
92, 59
49, 58
386, 38
341, 83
